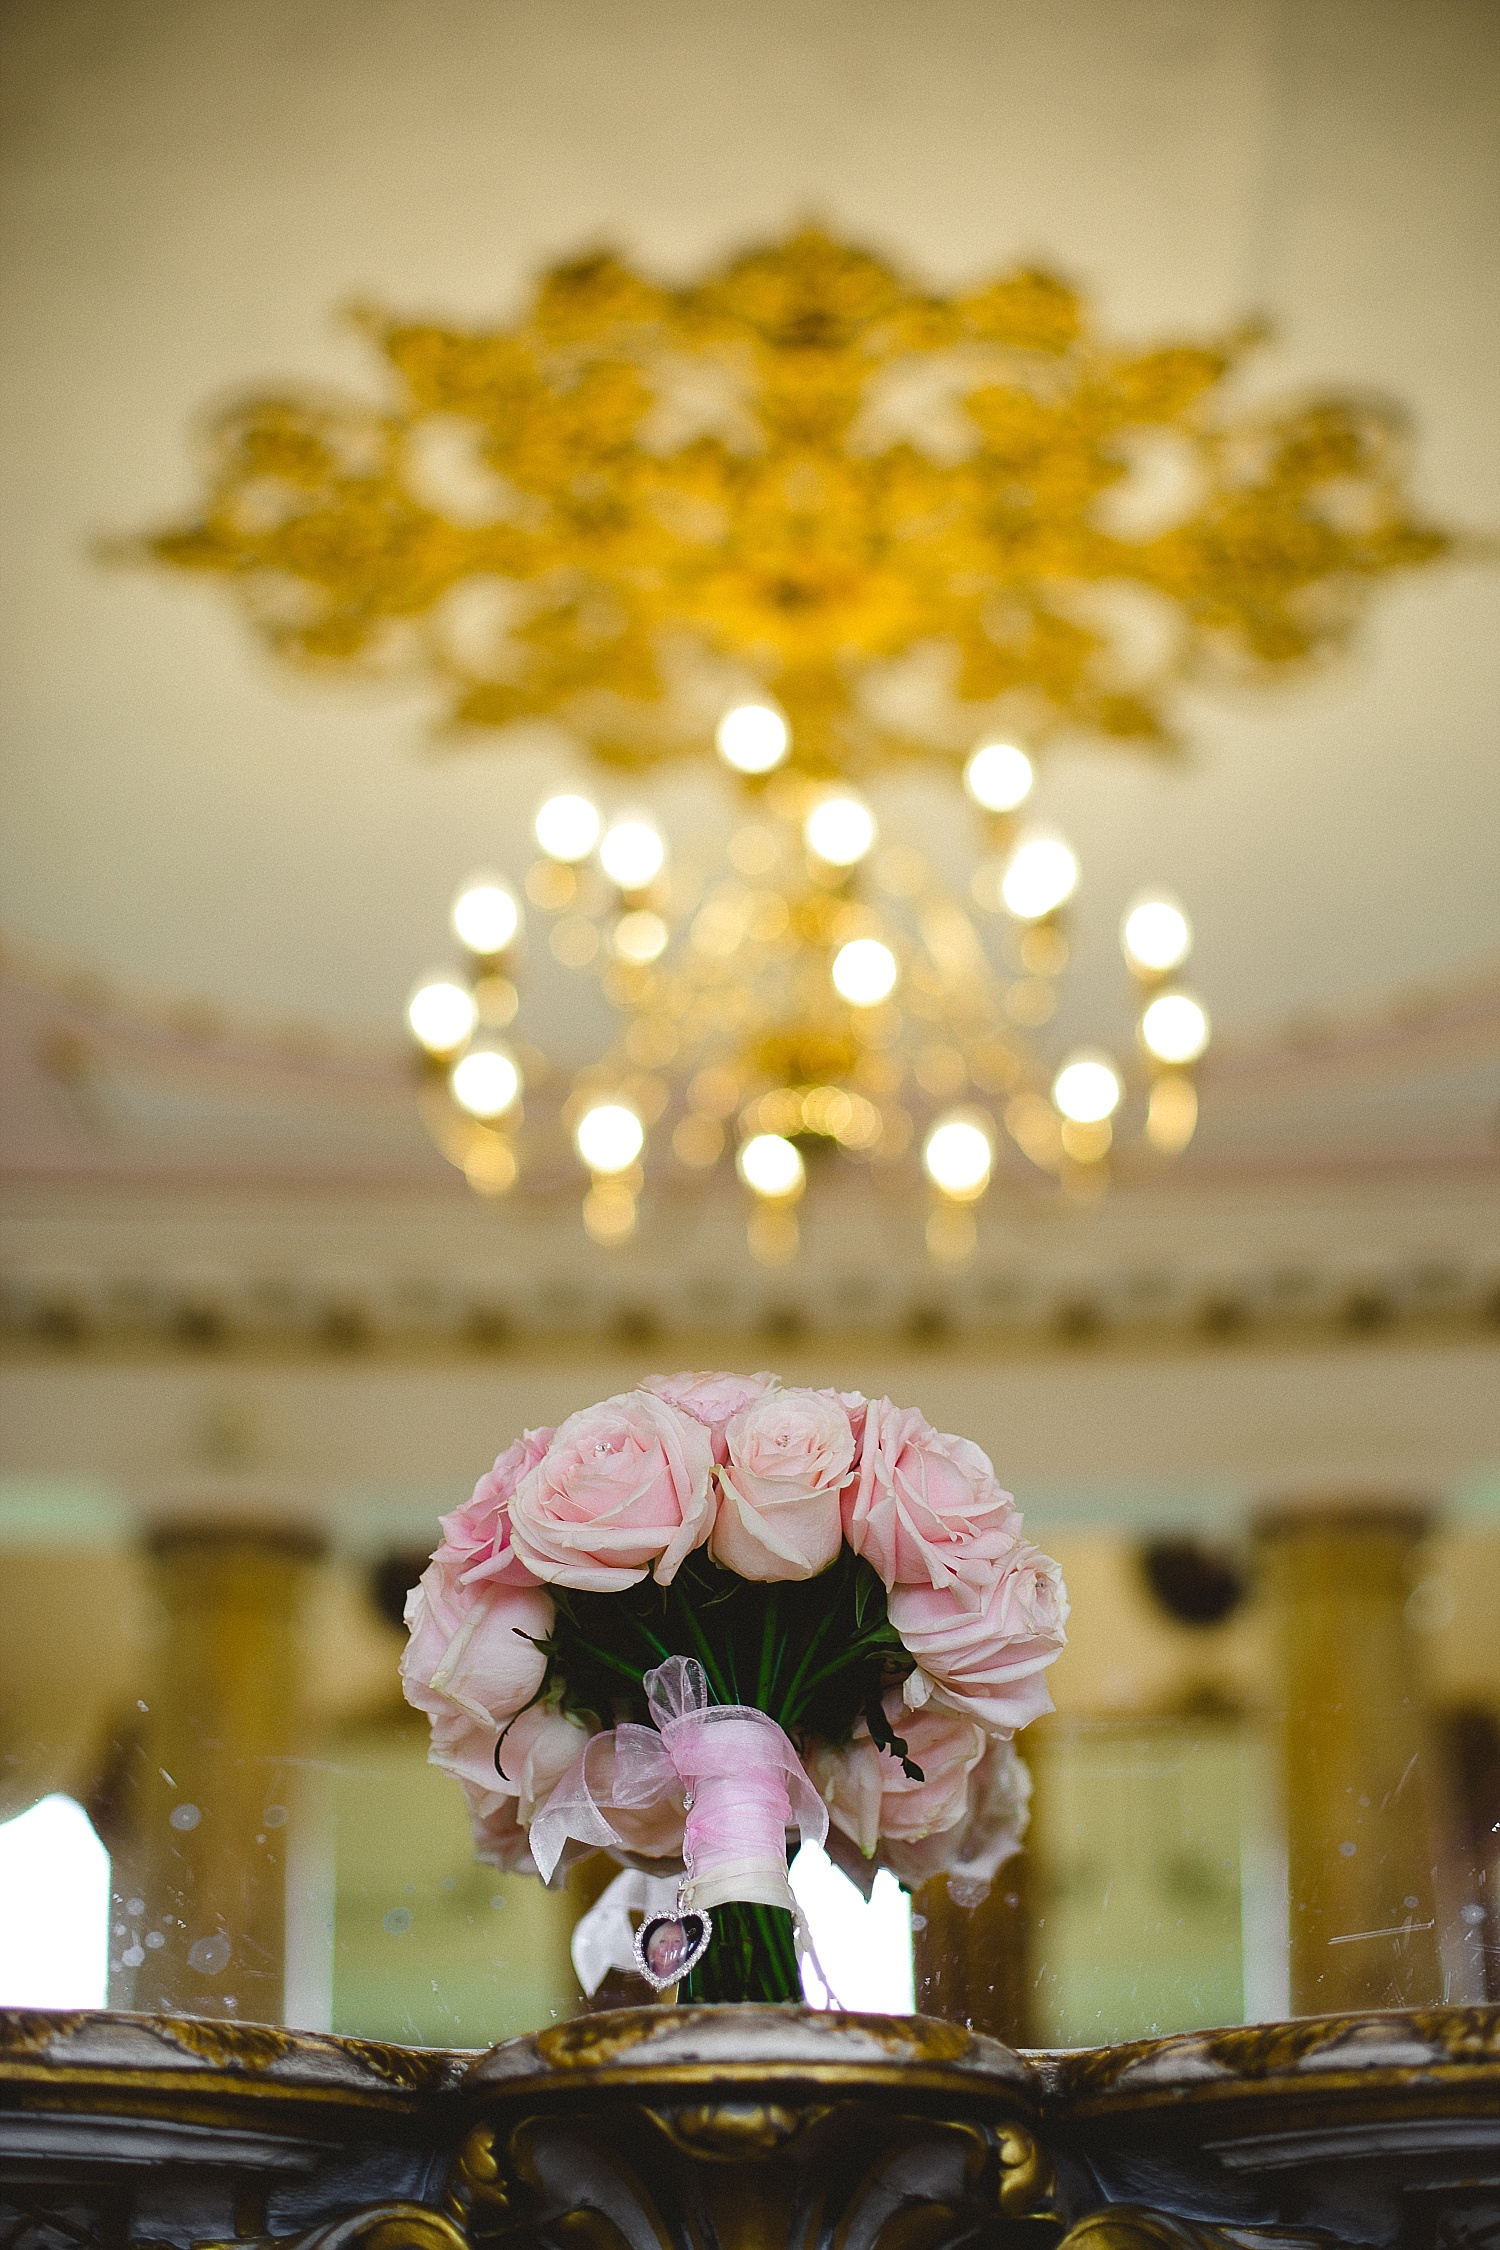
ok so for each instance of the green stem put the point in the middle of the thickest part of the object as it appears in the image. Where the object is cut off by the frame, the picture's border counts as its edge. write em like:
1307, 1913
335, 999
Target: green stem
613, 1663
857, 1653
768, 1650
776, 1932
710, 1664
753, 1956
808, 1654
657, 1646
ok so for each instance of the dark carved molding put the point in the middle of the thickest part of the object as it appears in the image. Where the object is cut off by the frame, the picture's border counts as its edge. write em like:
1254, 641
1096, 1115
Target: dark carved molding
750, 2129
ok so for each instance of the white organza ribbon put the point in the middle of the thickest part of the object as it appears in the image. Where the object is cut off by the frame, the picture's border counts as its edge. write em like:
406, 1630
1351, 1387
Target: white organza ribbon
741, 1784
604, 1939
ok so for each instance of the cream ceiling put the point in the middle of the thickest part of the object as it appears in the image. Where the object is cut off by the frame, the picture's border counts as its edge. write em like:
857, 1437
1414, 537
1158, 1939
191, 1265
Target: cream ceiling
189, 190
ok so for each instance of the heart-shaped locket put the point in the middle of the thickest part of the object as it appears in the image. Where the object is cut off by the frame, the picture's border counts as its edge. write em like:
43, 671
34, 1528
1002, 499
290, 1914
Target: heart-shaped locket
669, 1946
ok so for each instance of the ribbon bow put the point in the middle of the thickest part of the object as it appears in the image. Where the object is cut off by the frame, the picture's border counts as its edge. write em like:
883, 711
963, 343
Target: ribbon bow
740, 1782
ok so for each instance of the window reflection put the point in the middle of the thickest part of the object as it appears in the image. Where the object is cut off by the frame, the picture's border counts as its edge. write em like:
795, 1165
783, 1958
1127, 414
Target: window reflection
54, 1908
863, 1946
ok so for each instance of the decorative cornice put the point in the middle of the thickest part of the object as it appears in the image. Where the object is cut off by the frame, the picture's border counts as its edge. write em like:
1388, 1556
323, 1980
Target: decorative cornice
46, 1321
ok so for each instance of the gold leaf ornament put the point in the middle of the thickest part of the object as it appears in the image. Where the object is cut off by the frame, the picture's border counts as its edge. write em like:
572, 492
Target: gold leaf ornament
902, 517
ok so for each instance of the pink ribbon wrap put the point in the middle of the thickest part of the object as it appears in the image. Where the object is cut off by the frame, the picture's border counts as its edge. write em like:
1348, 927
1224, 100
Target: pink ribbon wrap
741, 1784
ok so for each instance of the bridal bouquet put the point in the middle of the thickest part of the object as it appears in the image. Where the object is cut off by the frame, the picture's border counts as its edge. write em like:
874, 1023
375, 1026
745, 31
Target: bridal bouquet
715, 1615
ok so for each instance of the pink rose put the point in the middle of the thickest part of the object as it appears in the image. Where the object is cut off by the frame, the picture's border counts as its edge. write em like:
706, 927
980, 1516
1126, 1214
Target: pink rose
710, 1399
536, 1750
856, 1406
622, 1486
789, 1456
465, 1747
477, 1535
925, 1508
473, 1648
500, 1838
987, 1834
873, 1800
987, 1661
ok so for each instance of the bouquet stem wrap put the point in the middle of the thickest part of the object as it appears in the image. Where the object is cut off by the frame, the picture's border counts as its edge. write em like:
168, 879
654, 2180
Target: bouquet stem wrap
741, 1783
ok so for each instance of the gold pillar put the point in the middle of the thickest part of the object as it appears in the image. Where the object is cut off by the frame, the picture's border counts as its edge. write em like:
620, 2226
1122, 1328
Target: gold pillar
203, 1794
972, 1962
1359, 1857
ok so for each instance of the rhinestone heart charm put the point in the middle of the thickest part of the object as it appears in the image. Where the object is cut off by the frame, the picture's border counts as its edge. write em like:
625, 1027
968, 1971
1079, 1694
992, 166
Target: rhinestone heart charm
669, 1946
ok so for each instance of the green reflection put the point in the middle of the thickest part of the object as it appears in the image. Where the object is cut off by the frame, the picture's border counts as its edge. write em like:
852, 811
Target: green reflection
1139, 1870
429, 1947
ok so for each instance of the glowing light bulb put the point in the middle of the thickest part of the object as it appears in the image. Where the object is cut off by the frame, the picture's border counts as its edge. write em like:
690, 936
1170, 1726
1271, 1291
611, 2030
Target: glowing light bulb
753, 738
840, 830
632, 854
441, 1014
864, 972
998, 776
567, 828
485, 1081
1042, 873
771, 1165
609, 1212
1156, 936
1087, 1088
958, 1157
1171, 1115
1175, 1028
609, 1137
485, 917
639, 937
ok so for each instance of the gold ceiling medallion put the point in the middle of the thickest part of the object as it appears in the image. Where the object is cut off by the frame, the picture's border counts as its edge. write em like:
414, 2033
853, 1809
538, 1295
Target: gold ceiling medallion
901, 518
826, 521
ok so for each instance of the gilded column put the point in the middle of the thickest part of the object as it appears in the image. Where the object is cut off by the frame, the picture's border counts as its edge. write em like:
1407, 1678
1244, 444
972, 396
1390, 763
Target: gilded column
972, 1963
204, 1796
1359, 1855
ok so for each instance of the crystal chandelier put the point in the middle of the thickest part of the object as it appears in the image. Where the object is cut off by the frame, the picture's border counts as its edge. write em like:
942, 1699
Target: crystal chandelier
852, 525
820, 996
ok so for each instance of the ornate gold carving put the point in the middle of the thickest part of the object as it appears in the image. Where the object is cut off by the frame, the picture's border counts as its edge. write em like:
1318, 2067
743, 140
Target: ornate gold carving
1027, 2182
477, 2184
904, 514
389, 2226
230, 2046
813, 2131
1399, 2045
743, 2131
253, 2048
419, 2070
634, 2035
31, 2031
935, 2184
589, 2042
580, 2183
231, 2070
1129, 2226
746, 2175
